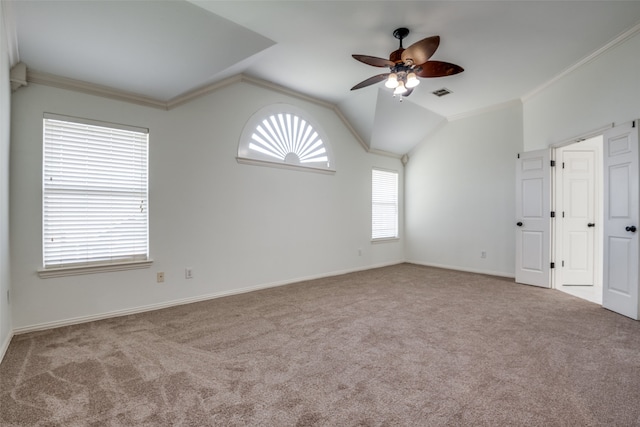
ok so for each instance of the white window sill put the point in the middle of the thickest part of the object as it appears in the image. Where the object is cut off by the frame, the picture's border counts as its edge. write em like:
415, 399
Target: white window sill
257, 162
48, 273
385, 240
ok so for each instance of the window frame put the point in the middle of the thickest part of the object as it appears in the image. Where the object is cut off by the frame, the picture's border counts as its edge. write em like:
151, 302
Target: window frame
247, 155
104, 263
396, 202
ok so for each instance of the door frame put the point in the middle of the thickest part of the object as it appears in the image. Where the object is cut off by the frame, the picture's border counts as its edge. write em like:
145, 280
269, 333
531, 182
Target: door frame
591, 293
554, 234
626, 311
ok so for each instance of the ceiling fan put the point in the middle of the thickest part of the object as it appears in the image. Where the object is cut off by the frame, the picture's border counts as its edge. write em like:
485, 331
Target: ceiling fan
406, 65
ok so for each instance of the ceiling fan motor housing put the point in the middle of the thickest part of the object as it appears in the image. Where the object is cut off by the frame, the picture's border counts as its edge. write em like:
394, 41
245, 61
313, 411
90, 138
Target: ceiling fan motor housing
401, 70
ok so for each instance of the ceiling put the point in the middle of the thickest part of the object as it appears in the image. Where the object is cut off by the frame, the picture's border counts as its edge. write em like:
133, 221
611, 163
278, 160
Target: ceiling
165, 49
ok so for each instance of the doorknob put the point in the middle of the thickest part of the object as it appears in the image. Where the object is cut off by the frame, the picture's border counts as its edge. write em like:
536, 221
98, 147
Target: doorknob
631, 228
519, 224
591, 224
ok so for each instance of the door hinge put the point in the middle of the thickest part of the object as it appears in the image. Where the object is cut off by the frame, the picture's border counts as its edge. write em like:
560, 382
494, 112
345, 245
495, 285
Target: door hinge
562, 165
553, 163
634, 124
563, 263
553, 214
518, 155
553, 265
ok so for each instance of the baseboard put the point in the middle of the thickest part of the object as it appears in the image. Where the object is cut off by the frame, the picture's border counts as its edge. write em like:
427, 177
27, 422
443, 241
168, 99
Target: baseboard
205, 297
190, 300
5, 346
466, 270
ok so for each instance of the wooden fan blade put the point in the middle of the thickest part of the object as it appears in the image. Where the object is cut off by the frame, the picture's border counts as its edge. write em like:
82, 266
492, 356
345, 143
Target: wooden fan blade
376, 62
370, 81
408, 92
438, 69
421, 51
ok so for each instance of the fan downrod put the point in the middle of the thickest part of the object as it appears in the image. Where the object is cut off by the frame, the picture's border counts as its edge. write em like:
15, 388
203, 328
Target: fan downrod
399, 33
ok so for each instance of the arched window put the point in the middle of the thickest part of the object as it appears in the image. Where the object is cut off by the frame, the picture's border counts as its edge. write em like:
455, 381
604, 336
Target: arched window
284, 135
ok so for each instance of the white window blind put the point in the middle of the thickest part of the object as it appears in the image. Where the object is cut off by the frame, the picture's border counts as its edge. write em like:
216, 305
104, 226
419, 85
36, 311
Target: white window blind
284, 135
384, 204
95, 193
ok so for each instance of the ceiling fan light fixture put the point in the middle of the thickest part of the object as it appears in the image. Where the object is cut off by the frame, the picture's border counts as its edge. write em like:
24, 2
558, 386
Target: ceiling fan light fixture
406, 65
392, 81
400, 89
412, 80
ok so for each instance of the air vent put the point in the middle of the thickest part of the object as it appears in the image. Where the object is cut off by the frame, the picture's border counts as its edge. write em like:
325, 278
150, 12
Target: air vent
441, 92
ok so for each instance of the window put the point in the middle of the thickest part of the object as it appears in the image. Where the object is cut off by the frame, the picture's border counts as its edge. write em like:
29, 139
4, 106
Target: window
285, 136
95, 196
384, 204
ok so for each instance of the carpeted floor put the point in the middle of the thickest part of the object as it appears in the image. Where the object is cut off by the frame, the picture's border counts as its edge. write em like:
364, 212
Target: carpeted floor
398, 346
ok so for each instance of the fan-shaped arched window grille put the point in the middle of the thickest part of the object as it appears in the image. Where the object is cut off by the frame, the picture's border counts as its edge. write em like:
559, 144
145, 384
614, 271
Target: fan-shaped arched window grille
284, 135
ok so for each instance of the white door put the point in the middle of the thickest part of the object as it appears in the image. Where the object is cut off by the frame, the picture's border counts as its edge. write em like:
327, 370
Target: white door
578, 217
621, 211
533, 218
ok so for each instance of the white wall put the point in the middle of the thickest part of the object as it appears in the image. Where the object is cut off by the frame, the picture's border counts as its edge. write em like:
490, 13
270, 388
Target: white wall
460, 197
238, 226
5, 103
603, 91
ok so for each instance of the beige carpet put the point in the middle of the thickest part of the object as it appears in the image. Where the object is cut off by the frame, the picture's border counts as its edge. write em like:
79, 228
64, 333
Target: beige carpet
398, 346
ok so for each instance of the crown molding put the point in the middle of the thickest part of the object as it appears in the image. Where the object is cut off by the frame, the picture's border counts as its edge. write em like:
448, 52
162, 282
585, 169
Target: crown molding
347, 123
202, 91
18, 76
92, 89
483, 110
111, 93
286, 91
604, 49
119, 95
384, 153
10, 32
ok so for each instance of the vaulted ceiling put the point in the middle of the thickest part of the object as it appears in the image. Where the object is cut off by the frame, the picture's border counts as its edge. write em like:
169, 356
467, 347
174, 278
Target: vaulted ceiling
165, 49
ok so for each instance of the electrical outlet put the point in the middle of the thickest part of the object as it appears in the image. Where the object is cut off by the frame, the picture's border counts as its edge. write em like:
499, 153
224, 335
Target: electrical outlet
160, 277
188, 273
483, 254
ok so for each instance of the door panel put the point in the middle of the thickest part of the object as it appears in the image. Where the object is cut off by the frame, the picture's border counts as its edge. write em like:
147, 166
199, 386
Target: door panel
533, 222
532, 242
578, 259
619, 250
619, 181
578, 237
621, 214
532, 203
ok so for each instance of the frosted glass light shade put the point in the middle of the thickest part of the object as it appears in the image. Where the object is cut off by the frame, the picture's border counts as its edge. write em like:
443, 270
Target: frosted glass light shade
392, 81
412, 80
400, 89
